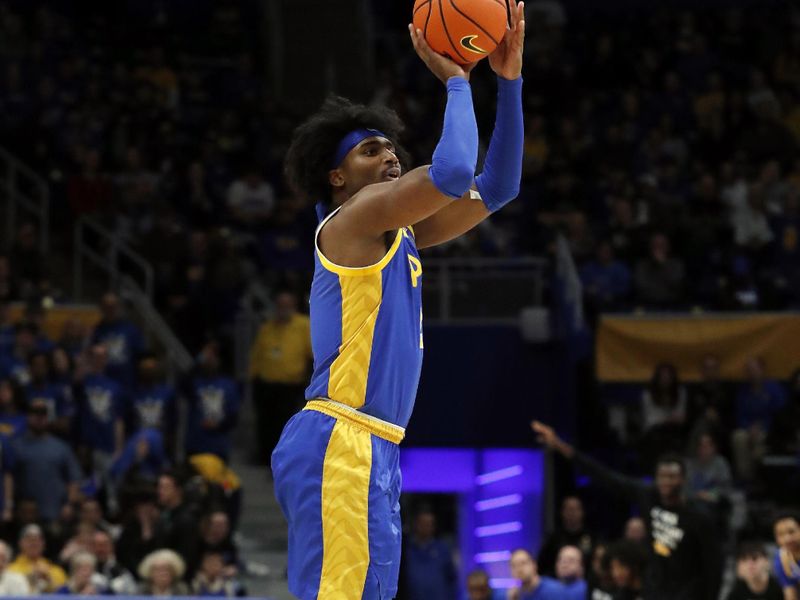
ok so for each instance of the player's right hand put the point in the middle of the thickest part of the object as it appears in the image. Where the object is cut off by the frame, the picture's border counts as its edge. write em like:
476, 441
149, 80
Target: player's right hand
441, 66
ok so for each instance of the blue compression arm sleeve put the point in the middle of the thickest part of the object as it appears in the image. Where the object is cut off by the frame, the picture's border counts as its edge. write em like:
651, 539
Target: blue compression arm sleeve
456, 155
498, 184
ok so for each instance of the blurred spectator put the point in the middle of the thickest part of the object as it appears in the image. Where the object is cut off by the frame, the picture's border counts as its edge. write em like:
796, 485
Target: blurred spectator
118, 580
787, 559
101, 413
121, 337
784, 435
139, 534
572, 531
92, 513
599, 577
711, 402
12, 406
753, 579
708, 474
215, 537
627, 563
663, 413
606, 281
153, 404
659, 277
82, 541
142, 459
635, 530
430, 571
211, 579
11, 583
757, 401
161, 572
44, 577
42, 388
83, 580
15, 364
73, 338
250, 199
279, 367
478, 587
532, 586
685, 559
213, 400
177, 523
46, 471
569, 571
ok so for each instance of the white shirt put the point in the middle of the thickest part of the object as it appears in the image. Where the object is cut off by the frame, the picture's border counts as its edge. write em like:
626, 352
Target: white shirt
14, 584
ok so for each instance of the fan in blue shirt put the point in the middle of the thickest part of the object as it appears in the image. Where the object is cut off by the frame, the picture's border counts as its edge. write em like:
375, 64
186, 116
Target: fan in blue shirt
569, 570
430, 572
121, 337
213, 407
13, 420
532, 585
15, 364
59, 411
152, 400
100, 407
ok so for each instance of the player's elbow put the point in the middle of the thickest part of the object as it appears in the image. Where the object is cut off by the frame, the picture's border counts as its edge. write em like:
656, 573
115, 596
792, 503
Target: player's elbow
453, 179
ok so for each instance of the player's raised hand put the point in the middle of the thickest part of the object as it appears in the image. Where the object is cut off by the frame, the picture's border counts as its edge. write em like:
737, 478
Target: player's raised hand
441, 66
506, 60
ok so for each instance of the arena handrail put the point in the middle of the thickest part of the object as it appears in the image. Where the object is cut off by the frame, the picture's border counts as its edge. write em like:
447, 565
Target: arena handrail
17, 176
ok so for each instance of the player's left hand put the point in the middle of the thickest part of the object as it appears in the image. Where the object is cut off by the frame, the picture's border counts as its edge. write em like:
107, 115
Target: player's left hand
506, 60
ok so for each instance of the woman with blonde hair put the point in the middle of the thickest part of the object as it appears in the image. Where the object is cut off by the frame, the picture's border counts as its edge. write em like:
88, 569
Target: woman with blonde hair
161, 572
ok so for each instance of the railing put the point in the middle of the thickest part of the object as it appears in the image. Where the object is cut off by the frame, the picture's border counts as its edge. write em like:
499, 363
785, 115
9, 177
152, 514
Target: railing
256, 306
98, 245
25, 192
571, 289
486, 290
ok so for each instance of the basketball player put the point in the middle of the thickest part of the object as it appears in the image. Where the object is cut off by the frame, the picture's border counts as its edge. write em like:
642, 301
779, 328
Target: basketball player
336, 467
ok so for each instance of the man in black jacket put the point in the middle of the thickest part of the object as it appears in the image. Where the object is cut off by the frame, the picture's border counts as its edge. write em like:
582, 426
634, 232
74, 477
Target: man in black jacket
685, 559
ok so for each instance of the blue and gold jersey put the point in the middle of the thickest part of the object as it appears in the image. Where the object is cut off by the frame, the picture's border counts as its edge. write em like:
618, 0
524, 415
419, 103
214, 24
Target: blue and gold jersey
366, 331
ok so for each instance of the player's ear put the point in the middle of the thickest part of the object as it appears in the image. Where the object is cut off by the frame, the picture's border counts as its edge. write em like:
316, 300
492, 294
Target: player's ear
335, 178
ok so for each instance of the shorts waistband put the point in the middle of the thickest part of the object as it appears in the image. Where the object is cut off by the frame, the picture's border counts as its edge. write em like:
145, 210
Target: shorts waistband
384, 430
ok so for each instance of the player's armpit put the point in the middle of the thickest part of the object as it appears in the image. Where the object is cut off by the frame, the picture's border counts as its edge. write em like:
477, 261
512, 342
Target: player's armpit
388, 206
450, 222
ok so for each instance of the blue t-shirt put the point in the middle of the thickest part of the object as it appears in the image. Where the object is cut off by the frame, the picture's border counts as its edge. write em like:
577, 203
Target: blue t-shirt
214, 399
44, 465
124, 342
14, 368
13, 425
100, 407
576, 590
548, 589
787, 570
759, 406
153, 407
430, 572
52, 396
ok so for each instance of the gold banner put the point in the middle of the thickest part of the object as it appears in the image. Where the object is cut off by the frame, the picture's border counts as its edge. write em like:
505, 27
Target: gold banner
628, 348
56, 317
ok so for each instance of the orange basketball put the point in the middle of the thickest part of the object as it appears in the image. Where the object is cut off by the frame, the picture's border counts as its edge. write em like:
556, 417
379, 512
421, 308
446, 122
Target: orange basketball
464, 30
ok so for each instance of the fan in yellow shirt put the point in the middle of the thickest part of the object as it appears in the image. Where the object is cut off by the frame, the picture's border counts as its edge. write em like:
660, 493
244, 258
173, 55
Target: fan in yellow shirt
43, 575
279, 367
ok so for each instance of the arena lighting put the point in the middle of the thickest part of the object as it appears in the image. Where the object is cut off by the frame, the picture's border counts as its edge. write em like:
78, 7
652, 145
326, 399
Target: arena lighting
498, 502
492, 557
498, 529
503, 583
499, 475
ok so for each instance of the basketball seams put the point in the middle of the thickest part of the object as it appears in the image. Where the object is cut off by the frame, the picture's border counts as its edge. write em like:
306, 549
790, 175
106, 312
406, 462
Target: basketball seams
471, 20
447, 33
427, 19
420, 5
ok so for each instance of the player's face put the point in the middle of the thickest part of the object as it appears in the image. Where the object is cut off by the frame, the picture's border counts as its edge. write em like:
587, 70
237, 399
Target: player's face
787, 535
372, 161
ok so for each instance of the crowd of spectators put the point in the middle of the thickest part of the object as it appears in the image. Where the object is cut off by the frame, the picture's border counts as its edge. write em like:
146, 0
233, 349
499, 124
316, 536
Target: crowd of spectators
102, 491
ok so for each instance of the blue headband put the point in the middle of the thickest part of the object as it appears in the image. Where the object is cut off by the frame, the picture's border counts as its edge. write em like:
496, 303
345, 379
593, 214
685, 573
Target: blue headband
351, 140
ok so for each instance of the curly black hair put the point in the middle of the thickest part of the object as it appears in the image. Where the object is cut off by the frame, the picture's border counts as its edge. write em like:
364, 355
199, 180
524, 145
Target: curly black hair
314, 142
